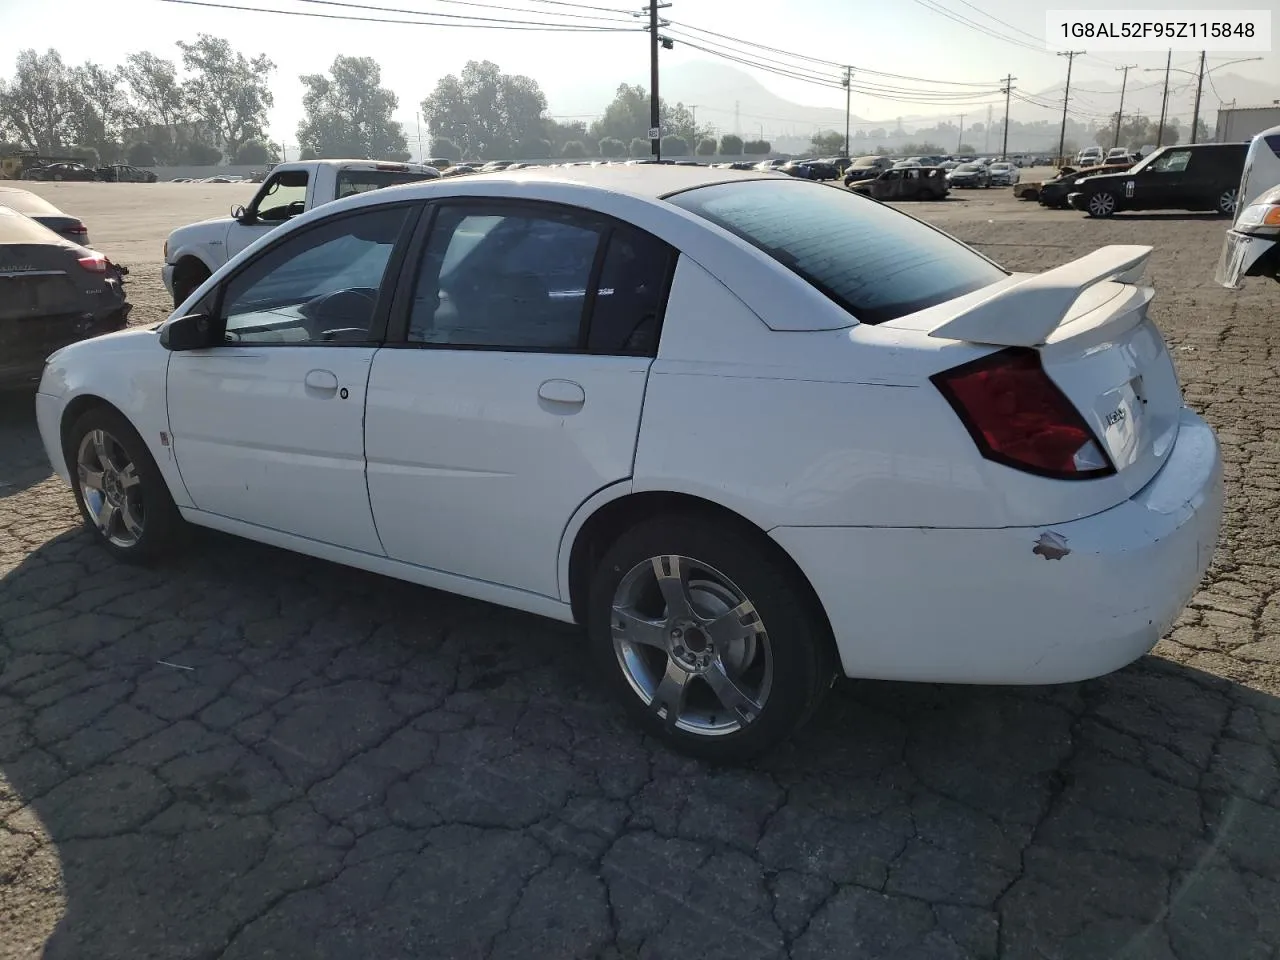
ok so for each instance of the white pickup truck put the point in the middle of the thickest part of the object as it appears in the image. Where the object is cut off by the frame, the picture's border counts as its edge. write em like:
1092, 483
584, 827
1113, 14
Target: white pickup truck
192, 253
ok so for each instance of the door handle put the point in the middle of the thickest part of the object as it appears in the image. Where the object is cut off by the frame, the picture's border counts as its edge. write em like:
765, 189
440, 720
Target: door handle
562, 391
322, 381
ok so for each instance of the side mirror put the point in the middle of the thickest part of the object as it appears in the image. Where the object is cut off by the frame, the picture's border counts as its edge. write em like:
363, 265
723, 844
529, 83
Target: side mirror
194, 331
240, 213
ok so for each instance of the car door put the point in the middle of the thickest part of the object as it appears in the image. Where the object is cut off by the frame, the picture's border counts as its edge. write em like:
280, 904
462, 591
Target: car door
1161, 185
281, 197
512, 389
268, 426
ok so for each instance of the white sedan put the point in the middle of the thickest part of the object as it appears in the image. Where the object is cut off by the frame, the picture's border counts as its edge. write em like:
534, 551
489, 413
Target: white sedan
749, 431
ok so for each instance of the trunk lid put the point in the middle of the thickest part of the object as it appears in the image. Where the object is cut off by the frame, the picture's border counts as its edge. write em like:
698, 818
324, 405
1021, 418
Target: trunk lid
1089, 322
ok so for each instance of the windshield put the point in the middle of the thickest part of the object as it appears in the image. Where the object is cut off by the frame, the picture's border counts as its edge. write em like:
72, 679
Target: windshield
866, 161
872, 260
967, 167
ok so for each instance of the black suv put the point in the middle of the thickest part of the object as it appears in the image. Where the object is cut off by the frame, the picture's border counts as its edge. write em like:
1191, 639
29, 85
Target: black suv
1203, 176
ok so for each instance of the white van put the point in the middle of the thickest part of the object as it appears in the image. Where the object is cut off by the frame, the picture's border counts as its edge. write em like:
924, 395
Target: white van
1252, 245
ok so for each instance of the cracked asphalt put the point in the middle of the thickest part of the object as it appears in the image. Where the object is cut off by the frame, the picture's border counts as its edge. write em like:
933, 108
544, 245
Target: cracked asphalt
251, 754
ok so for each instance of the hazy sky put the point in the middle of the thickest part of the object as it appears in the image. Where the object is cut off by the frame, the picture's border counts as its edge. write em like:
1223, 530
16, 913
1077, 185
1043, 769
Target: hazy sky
577, 70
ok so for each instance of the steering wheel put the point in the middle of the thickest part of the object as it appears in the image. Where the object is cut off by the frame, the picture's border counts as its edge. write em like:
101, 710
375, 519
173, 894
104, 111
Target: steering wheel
352, 307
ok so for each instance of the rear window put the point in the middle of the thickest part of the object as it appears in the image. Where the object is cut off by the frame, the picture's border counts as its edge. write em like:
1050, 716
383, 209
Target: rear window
362, 181
873, 261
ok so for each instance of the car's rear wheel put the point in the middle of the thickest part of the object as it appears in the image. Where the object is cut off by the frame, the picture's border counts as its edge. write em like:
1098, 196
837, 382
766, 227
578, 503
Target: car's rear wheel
708, 636
1227, 201
1102, 204
120, 491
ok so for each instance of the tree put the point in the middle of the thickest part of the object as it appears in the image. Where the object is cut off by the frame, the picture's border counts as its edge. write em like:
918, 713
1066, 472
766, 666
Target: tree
706, 147
627, 117
757, 148
142, 155
675, 146
253, 153
307, 153
101, 109
202, 155
348, 113
446, 149
977, 128
827, 142
536, 149
966, 150
485, 111
89, 156
612, 147
640, 147
574, 150
731, 145
227, 91
157, 101
41, 105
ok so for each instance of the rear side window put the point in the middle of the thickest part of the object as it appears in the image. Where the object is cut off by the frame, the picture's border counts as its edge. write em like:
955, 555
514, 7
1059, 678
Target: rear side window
873, 261
362, 181
631, 294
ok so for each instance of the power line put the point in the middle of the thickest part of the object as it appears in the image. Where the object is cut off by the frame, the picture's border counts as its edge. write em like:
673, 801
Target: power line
516, 25
827, 63
461, 16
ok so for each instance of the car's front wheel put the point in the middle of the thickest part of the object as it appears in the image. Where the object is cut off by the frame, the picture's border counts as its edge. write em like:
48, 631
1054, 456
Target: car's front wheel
708, 636
120, 491
1101, 204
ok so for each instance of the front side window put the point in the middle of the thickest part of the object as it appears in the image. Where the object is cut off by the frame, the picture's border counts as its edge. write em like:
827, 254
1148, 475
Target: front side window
1175, 161
505, 277
284, 196
873, 261
320, 285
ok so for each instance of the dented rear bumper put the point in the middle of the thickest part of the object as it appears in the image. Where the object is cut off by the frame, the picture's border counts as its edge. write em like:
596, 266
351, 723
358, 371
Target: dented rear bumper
1021, 605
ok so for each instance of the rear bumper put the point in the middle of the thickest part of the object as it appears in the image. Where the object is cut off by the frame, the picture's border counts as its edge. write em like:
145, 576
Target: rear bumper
1246, 255
23, 359
982, 606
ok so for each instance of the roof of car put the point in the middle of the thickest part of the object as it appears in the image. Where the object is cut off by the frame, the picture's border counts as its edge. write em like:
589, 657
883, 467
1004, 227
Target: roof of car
18, 228
24, 201
650, 180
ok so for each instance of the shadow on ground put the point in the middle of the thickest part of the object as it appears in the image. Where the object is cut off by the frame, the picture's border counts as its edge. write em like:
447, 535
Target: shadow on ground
255, 754
24, 461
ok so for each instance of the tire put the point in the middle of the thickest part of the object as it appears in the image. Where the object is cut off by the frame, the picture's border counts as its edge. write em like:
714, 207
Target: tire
1101, 205
1226, 203
142, 524
186, 280
779, 650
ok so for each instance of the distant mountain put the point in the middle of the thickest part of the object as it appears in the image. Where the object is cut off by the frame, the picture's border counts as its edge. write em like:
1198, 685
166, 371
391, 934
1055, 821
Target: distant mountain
716, 89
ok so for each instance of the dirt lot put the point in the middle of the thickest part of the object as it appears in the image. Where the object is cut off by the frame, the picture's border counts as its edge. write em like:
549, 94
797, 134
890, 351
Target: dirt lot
340, 765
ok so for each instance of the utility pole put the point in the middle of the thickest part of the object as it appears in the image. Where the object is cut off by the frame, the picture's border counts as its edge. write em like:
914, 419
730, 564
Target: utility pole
1008, 91
1195, 117
737, 118
421, 152
1124, 82
1066, 97
1164, 102
655, 113
986, 132
848, 87
960, 139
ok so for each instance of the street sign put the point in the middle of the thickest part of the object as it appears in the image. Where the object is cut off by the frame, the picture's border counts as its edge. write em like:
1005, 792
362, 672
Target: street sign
654, 133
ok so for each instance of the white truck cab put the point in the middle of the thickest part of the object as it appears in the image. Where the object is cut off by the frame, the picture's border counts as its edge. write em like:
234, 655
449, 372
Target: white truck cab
192, 253
1251, 247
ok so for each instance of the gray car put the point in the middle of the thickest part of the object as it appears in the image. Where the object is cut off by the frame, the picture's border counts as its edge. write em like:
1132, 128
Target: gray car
43, 212
52, 292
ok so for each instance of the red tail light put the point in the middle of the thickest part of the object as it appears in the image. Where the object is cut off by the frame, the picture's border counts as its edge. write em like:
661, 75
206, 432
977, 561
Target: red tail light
79, 229
96, 263
1018, 417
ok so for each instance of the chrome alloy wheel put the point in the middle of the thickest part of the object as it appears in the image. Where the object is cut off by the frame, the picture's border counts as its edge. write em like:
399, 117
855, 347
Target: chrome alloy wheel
111, 488
691, 646
1102, 204
1227, 202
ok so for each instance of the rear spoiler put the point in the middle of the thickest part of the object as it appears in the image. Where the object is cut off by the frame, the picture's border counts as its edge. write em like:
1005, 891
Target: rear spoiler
1026, 313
